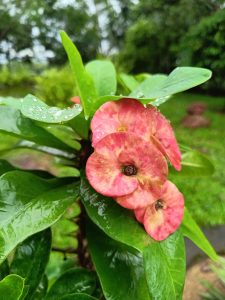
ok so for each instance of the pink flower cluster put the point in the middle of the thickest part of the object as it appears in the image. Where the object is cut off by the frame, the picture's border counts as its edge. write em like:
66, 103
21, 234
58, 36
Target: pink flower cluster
132, 144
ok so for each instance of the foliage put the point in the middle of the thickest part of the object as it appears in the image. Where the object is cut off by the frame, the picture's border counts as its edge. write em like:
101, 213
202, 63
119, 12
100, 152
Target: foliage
151, 42
16, 74
204, 46
56, 86
32, 199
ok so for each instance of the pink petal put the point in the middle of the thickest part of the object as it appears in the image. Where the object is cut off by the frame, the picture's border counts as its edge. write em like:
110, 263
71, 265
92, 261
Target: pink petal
160, 223
164, 137
116, 150
141, 197
139, 214
118, 116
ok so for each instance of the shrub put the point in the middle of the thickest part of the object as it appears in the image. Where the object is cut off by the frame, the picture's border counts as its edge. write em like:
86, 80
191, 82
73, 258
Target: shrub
204, 46
16, 74
56, 86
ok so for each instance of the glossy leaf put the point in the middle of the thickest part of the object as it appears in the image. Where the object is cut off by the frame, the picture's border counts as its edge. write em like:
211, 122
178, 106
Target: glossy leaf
13, 122
35, 109
80, 125
41, 290
31, 159
103, 74
65, 134
191, 230
180, 79
119, 267
193, 164
147, 87
11, 101
115, 221
78, 296
165, 267
128, 81
83, 80
4, 269
5, 167
31, 258
75, 280
11, 287
29, 205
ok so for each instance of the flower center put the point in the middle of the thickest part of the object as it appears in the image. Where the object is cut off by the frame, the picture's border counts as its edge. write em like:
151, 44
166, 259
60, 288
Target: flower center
129, 170
159, 204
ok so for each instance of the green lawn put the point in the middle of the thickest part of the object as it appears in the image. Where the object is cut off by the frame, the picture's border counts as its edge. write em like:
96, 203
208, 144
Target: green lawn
205, 196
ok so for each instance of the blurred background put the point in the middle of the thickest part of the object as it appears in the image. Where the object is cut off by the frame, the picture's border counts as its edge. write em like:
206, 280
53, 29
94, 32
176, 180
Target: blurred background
139, 36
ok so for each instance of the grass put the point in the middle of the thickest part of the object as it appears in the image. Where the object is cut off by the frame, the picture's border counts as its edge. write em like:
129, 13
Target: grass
204, 196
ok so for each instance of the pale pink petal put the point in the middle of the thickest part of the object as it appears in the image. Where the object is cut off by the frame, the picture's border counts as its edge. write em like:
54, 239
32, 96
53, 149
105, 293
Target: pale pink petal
164, 136
160, 223
141, 197
105, 176
117, 116
139, 214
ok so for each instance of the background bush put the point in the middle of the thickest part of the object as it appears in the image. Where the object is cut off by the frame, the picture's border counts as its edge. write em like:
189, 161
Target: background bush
204, 46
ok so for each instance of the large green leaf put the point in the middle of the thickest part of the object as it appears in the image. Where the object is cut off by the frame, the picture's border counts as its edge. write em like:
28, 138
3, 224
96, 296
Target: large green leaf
194, 163
148, 86
11, 101
119, 267
128, 81
5, 167
35, 109
31, 258
64, 133
165, 268
75, 280
83, 80
180, 79
41, 290
78, 296
12, 121
31, 159
192, 231
115, 221
29, 204
4, 269
11, 287
103, 74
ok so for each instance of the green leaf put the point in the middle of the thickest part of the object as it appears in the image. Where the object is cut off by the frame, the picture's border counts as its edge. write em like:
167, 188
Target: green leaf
78, 296
31, 159
35, 109
119, 267
11, 287
11, 101
165, 267
31, 258
13, 122
128, 81
75, 280
5, 167
193, 164
191, 230
103, 74
115, 221
29, 205
81, 125
147, 87
41, 290
64, 134
83, 80
4, 269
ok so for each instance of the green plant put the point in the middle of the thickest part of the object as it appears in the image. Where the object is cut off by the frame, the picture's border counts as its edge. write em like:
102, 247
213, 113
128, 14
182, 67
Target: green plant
204, 46
56, 86
47, 176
